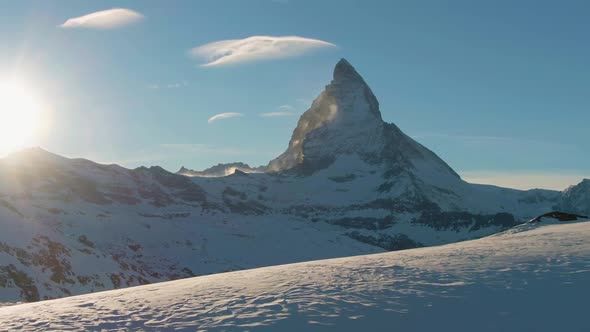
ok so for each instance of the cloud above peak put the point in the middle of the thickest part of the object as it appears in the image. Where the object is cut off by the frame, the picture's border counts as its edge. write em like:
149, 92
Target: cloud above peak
255, 48
223, 116
106, 19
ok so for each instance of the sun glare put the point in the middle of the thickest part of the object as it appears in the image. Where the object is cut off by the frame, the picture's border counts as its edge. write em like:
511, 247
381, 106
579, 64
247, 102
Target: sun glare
20, 117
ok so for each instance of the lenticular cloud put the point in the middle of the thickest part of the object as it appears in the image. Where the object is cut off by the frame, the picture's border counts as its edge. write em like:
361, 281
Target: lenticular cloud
106, 19
223, 116
255, 48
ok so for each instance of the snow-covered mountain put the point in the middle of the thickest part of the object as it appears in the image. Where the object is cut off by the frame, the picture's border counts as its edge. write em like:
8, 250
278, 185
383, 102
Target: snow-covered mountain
526, 279
577, 198
345, 120
221, 170
348, 184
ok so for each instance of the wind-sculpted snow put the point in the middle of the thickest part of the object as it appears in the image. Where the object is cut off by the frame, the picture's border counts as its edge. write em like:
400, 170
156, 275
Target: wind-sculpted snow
526, 279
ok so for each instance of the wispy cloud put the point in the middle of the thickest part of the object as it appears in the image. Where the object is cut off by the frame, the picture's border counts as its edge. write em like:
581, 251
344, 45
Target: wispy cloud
168, 85
106, 19
255, 48
283, 110
223, 116
286, 108
274, 114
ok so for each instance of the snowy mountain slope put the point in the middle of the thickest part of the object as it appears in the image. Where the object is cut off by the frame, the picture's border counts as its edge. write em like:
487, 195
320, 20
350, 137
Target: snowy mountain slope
526, 279
73, 226
221, 170
347, 167
348, 184
577, 198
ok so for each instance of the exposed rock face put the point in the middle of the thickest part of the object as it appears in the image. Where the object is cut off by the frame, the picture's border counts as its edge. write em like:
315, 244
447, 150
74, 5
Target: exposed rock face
560, 216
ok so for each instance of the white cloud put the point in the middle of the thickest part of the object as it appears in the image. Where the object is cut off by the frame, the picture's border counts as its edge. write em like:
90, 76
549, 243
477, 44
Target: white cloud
168, 86
223, 116
106, 19
255, 48
273, 114
284, 110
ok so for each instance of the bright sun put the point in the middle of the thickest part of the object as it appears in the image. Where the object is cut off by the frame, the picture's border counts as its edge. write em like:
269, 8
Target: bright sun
20, 117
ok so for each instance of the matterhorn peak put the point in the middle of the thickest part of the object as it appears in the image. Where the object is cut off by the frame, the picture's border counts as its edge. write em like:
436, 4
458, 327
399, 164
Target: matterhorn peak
345, 71
343, 119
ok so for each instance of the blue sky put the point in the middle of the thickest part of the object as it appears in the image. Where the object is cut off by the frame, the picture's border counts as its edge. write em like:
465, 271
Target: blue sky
500, 90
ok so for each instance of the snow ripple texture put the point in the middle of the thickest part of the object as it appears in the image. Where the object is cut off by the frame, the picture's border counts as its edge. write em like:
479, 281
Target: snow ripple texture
526, 279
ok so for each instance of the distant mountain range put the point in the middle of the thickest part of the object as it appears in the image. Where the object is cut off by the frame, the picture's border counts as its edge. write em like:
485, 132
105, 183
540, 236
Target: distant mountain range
348, 184
222, 170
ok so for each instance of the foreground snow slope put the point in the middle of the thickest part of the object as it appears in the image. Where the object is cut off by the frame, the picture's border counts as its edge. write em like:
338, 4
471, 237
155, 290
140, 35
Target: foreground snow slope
525, 279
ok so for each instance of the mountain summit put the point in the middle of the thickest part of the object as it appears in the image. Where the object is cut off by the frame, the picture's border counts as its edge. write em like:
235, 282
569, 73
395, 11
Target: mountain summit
344, 70
345, 120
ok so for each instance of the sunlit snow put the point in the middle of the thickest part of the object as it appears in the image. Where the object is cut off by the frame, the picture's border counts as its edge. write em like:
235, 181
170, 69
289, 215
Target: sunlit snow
526, 279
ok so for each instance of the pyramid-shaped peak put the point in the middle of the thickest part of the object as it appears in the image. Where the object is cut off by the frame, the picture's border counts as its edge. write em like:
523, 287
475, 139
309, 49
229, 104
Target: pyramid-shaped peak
345, 71
343, 119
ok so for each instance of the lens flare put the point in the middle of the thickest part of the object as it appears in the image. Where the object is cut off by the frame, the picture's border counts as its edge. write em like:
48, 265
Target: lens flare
20, 117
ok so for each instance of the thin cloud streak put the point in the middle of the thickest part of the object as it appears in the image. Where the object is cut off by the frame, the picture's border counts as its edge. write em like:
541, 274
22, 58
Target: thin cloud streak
283, 110
168, 86
286, 108
106, 19
255, 48
223, 116
274, 114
